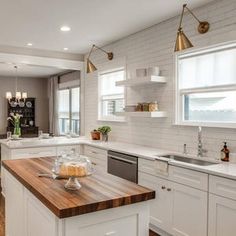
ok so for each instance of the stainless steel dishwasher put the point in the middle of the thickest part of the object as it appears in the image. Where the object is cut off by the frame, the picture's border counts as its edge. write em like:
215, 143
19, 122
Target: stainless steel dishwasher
123, 165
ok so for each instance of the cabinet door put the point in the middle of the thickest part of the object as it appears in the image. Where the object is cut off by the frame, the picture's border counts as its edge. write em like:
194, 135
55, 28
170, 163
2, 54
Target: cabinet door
222, 215
14, 209
39, 220
189, 213
160, 207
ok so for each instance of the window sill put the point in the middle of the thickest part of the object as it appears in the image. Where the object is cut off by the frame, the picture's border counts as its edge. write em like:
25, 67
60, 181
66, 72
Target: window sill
207, 124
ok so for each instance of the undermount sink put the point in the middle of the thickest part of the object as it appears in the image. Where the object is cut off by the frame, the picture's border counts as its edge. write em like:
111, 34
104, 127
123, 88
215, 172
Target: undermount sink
190, 160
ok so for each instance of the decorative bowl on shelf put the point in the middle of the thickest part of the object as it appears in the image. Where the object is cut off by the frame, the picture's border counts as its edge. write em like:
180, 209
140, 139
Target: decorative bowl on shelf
29, 104
73, 167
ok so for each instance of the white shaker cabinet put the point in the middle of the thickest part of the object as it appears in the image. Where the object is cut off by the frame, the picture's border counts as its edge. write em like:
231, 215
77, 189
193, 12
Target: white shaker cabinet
189, 211
161, 206
222, 207
178, 209
98, 156
222, 216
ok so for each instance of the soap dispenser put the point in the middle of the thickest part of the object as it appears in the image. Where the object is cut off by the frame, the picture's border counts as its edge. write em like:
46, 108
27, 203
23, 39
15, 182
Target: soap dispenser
225, 153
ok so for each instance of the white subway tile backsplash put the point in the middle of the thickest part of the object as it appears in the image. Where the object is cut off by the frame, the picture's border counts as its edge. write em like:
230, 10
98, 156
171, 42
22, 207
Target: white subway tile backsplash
154, 47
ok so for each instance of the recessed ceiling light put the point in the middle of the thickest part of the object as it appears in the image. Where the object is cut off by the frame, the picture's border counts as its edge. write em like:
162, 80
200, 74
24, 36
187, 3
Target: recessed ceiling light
65, 49
29, 44
65, 28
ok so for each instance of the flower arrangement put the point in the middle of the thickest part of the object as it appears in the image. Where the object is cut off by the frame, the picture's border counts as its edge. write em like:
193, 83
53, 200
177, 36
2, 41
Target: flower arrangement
15, 120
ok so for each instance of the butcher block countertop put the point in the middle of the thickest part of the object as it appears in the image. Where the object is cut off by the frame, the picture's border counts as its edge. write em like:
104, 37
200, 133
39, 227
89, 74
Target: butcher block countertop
99, 191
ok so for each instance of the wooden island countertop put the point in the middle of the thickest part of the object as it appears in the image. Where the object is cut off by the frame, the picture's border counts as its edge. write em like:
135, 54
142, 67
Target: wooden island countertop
99, 191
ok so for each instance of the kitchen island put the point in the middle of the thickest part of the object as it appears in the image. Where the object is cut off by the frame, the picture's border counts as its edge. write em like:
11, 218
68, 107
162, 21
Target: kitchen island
105, 205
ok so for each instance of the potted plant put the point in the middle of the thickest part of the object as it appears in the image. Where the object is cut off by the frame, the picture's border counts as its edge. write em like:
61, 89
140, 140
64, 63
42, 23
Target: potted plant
104, 130
15, 120
95, 134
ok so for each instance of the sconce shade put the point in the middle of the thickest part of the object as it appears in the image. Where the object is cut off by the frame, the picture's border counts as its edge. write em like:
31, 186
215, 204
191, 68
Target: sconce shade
90, 66
182, 42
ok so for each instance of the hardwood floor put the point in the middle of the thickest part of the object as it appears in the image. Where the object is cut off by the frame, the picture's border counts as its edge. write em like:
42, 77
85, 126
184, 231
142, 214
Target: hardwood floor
2, 219
2, 216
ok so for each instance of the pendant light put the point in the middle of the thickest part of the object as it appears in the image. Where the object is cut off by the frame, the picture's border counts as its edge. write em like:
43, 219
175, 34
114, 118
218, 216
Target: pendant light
19, 97
90, 66
182, 42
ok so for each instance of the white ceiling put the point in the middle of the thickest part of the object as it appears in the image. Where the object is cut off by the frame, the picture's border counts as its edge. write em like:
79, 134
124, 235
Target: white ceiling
23, 70
91, 21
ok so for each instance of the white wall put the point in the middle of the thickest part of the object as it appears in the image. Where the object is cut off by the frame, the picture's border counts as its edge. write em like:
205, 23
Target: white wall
154, 46
35, 87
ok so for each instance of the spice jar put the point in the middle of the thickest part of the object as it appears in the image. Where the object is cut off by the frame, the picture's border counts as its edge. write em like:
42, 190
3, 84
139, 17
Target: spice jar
145, 106
153, 106
139, 107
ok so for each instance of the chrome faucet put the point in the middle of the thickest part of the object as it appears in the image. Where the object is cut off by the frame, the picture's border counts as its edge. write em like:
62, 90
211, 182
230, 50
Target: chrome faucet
200, 149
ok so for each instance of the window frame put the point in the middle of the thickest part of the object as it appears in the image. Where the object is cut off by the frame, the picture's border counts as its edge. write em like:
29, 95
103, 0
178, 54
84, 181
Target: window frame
114, 118
70, 108
179, 93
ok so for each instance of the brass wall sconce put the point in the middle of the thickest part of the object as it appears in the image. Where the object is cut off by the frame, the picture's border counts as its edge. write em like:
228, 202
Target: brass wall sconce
182, 42
90, 66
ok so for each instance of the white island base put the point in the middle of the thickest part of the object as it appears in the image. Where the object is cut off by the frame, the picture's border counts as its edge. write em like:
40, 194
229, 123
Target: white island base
28, 216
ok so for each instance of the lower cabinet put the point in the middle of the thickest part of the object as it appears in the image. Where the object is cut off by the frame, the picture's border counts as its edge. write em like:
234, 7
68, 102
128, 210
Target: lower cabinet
222, 216
189, 211
98, 156
18, 153
161, 207
178, 209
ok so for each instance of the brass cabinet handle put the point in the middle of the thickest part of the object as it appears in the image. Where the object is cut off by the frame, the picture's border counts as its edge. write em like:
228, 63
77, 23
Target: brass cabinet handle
168, 189
163, 187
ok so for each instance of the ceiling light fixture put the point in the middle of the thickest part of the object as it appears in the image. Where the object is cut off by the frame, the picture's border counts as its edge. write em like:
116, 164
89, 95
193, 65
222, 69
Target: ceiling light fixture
65, 28
29, 44
19, 97
182, 42
90, 66
65, 49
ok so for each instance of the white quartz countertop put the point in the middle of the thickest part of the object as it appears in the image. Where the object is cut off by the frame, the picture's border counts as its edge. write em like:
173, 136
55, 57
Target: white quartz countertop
227, 170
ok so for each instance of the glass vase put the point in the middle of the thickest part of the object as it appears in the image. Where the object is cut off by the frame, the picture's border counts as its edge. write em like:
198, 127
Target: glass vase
105, 137
17, 130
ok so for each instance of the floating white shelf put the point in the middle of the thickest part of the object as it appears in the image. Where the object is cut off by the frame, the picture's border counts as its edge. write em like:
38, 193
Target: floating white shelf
147, 80
154, 114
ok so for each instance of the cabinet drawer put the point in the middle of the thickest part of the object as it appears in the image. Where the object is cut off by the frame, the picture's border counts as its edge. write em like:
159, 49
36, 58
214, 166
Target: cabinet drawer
222, 187
98, 162
34, 152
125, 226
188, 177
153, 167
67, 149
95, 152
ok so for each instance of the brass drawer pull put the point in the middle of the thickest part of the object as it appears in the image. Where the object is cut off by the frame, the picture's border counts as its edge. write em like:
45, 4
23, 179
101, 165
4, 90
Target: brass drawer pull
168, 189
163, 187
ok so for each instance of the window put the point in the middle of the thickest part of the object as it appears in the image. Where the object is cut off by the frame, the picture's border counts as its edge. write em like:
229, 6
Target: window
206, 87
69, 110
111, 97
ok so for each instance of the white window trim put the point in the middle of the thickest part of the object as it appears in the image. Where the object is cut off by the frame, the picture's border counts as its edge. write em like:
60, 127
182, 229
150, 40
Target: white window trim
114, 65
178, 120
